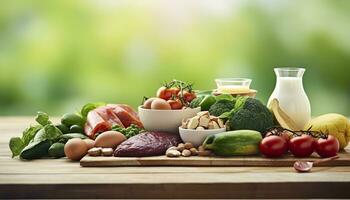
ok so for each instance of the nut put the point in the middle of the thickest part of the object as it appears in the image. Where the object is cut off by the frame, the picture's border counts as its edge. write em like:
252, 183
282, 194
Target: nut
194, 151
204, 153
200, 128
184, 123
95, 151
201, 148
107, 151
203, 113
186, 153
193, 123
172, 148
173, 153
213, 125
181, 147
204, 121
188, 145
220, 123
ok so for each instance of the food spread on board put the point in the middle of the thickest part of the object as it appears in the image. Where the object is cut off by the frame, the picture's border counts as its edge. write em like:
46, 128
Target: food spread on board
181, 122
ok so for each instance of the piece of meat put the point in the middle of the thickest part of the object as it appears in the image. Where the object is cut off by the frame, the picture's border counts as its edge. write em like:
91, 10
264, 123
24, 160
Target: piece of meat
104, 117
147, 144
95, 123
126, 115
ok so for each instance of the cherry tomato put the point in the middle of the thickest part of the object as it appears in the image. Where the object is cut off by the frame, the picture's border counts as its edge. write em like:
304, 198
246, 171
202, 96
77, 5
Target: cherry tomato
327, 147
164, 93
188, 96
174, 91
175, 104
302, 146
285, 134
273, 146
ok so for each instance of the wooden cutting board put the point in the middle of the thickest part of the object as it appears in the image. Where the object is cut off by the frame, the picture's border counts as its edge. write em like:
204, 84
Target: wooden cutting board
287, 160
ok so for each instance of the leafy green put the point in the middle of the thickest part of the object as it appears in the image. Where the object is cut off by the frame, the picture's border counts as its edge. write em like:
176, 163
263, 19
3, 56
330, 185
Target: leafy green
224, 96
88, 107
44, 131
128, 132
42, 118
49, 132
17, 144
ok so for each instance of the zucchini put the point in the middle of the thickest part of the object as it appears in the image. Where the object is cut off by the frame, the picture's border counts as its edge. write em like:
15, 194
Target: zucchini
234, 143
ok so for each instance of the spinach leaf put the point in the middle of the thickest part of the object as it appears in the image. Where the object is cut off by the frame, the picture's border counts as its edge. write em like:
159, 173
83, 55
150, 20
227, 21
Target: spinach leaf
225, 96
16, 145
42, 118
88, 107
49, 132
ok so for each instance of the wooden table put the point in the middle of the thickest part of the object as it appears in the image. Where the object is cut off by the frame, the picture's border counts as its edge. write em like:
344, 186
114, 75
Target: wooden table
60, 178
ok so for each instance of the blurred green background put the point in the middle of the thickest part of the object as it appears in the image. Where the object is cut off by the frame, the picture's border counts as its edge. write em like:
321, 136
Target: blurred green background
57, 55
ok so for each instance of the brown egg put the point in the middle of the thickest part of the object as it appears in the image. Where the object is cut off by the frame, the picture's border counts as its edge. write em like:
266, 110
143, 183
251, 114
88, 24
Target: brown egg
109, 139
75, 149
89, 142
160, 104
148, 102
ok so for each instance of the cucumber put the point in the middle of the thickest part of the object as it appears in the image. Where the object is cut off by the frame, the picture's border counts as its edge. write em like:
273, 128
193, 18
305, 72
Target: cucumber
64, 138
56, 150
35, 150
234, 143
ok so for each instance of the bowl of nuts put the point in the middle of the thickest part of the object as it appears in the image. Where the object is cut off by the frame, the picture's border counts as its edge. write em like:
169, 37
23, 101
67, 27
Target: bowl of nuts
196, 129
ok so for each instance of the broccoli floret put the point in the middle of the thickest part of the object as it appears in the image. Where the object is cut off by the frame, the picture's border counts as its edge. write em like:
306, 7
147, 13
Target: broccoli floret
251, 114
221, 106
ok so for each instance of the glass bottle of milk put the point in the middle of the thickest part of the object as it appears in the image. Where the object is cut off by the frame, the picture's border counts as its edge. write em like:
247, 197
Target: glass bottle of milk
290, 93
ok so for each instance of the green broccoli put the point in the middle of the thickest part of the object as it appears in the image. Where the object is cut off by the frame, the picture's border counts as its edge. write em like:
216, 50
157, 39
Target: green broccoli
250, 113
221, 106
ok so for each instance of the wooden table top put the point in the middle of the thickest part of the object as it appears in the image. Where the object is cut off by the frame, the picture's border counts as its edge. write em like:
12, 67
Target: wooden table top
60, 178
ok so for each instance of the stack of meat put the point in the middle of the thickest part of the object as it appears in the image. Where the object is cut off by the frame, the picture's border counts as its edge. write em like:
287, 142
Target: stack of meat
103, 118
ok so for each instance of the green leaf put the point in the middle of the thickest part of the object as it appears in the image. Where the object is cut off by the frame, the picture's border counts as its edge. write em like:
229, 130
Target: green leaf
225, 96
29, 133
42, 118
226, 115
49, 132
16, 145
90, 106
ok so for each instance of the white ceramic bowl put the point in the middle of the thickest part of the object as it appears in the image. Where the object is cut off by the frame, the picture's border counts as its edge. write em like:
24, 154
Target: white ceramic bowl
197, 137
165, 120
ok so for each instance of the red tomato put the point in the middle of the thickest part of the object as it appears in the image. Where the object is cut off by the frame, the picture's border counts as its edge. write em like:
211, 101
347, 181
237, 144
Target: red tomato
188, 96
273, 146
302, 146
174, 91
285, 134
327, 147
164, 93
175, 104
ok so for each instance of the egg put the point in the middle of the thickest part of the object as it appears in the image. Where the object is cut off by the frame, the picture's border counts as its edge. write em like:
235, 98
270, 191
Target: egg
160, 104
109, 139
75, 149
148, 102
89, 142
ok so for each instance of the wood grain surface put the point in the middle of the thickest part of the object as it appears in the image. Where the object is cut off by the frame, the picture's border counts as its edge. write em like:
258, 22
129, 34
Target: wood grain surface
288, 160
61, 178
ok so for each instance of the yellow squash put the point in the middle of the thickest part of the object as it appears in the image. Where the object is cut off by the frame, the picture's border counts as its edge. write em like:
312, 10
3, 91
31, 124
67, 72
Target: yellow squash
334, 124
